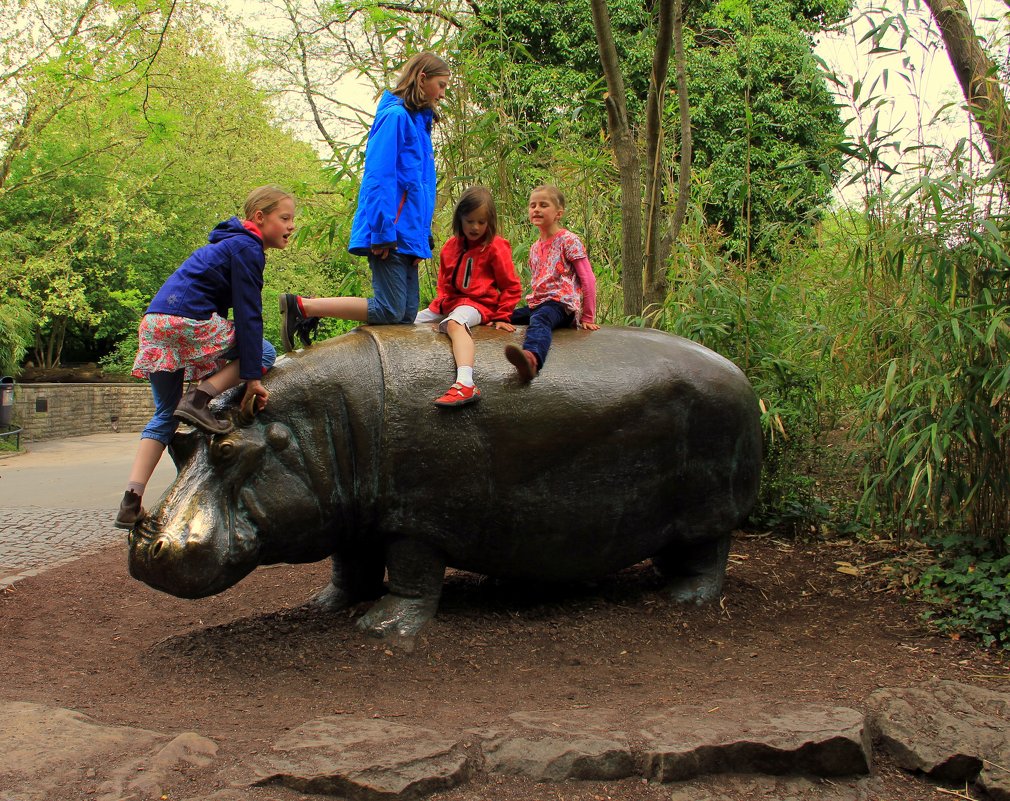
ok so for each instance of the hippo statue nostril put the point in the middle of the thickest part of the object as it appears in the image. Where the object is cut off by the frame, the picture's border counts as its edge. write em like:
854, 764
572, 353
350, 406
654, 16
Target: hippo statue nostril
157, 549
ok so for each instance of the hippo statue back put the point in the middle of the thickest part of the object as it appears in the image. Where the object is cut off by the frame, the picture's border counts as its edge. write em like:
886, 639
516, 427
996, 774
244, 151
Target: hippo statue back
630, 444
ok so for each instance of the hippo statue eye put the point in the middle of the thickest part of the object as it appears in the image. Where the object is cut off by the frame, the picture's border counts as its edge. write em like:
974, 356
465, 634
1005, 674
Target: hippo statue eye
223, 450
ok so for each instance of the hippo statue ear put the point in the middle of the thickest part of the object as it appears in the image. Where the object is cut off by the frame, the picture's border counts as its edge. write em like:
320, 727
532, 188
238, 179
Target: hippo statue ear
184, 445
278, 436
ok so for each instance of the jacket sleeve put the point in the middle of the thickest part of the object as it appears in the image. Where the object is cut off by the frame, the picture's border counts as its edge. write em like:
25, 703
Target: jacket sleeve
505, 278
247, 265
381, 157
587, 283
445, 266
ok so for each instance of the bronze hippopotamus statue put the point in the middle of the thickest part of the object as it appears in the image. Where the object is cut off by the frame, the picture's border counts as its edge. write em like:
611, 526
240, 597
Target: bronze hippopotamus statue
630, 444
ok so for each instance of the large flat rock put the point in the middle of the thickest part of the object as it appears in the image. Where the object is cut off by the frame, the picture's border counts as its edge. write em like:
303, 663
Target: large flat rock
36, 739
680, 743
365, 759
950, 731
735, 737
556, 746
42, 748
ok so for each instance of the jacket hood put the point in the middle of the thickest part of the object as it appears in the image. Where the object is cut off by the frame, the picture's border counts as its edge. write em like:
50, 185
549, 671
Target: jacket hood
389, 101
228, 229
386, 102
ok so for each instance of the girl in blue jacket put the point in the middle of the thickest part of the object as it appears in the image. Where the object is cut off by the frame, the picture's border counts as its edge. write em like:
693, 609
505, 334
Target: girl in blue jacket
392, 224
185, 334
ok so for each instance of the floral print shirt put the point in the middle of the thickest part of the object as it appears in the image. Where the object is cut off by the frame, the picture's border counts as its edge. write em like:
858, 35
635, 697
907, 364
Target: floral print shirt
552, 271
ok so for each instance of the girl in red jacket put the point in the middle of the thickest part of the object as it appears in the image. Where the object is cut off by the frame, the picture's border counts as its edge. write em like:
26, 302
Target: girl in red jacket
477, 285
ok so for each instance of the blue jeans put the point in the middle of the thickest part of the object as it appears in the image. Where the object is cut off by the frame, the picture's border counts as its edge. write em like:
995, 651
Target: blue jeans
542, 320
166, 388
395, 289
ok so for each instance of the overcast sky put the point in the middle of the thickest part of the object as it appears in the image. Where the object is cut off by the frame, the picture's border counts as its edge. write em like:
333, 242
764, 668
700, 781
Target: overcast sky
921, 80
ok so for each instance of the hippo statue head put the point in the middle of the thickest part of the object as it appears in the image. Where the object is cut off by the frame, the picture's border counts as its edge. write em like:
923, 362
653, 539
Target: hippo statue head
236, 496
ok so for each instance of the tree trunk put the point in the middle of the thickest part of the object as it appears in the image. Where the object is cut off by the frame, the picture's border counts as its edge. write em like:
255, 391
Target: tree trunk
656, 250
628, 166
684, 179
977, 74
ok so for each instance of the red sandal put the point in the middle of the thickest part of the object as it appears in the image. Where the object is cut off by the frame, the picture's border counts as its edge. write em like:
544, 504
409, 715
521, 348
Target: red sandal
458, 395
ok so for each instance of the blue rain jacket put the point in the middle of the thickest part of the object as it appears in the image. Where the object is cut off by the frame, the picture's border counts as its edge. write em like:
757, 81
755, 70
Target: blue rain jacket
397, 196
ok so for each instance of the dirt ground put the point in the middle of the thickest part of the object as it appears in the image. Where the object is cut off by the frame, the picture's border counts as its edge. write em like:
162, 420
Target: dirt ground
244, 666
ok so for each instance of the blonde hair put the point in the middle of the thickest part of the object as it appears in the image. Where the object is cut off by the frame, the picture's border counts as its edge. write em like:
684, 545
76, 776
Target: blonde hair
265, 199
553, 191
474, 198
408, 88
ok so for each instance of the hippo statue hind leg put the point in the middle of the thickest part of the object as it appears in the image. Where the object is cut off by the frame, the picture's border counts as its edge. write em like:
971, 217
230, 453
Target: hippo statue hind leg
694, 573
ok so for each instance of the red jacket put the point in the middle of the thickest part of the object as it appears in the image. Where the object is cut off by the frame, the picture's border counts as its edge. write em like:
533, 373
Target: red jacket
483, 277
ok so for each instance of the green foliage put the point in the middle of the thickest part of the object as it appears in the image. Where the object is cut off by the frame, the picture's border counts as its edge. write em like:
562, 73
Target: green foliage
765, 321
969, 590
764, 123
936, 416
135, 177
765, 126
16, 325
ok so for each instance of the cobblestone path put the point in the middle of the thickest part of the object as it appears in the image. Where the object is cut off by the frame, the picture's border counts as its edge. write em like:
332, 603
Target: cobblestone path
33, 539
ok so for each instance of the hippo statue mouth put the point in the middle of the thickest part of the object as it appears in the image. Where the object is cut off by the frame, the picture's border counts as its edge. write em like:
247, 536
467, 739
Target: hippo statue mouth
195, 557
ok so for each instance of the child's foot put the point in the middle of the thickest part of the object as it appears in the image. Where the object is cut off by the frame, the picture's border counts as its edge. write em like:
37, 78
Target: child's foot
130, 511
293, 323
200, 415
458, 395
525, 362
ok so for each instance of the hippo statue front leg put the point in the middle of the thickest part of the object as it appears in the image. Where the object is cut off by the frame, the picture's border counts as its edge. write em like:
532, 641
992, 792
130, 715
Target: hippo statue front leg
357, 576
416, 572
695, 572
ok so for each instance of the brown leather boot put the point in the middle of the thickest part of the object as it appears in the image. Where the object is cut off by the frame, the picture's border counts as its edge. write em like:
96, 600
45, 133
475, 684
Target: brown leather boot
130, 511
194, 410
525, 362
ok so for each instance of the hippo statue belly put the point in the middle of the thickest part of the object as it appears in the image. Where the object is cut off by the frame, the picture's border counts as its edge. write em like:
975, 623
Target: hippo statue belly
630, 444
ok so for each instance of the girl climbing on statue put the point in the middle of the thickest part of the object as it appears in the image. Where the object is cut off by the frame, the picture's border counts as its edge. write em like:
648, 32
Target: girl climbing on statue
562, 284
396, 202
477, 285
185, 334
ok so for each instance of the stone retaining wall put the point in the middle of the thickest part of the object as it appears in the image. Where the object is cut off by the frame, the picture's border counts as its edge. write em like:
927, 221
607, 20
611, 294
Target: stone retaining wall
51, 411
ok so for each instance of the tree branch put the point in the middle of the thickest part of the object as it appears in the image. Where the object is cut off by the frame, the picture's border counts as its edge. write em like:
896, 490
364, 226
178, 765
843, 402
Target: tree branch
303, 60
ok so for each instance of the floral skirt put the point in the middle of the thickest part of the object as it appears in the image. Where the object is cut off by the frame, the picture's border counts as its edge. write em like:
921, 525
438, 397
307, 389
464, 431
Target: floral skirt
169, 343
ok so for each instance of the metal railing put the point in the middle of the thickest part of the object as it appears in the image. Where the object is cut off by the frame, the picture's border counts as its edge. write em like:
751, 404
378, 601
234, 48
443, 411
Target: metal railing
13, 431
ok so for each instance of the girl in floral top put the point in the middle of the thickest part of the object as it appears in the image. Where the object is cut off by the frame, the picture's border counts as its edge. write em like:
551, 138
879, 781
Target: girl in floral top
563, 287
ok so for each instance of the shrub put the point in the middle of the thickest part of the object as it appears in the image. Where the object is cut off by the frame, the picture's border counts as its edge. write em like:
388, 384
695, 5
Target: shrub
17, 325
969, 590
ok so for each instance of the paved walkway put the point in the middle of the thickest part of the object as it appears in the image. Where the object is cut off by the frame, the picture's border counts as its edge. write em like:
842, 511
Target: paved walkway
58, 500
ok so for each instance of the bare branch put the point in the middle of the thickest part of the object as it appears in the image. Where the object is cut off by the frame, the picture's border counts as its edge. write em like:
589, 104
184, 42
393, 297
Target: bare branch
303, 61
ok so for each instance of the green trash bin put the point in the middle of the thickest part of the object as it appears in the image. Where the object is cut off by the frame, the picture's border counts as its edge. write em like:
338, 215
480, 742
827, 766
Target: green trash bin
6, 401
